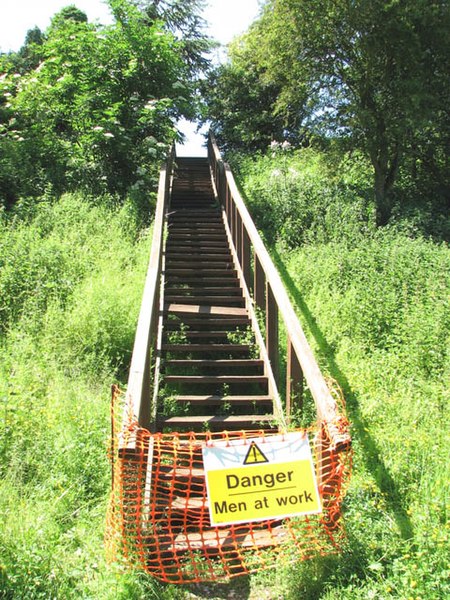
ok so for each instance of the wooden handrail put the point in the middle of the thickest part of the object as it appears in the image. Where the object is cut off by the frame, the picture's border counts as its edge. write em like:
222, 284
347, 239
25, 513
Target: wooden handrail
270, 295
139, 388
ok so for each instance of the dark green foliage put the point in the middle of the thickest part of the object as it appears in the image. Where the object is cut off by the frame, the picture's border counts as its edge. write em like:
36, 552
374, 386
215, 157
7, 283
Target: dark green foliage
97, 110
69, 13
241, 104
370, 74
184, 19
30, 54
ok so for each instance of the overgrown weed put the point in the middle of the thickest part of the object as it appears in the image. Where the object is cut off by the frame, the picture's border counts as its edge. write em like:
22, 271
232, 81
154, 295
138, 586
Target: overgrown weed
71, 282
375, 306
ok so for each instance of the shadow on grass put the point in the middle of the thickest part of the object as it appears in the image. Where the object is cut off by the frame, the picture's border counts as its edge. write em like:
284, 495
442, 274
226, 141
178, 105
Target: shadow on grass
238, 588
371, 453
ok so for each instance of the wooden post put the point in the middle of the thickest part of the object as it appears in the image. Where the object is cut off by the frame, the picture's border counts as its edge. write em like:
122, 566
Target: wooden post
220, 181
229, 207
246, 260
238, 242
294, 381
259, 286
272, 332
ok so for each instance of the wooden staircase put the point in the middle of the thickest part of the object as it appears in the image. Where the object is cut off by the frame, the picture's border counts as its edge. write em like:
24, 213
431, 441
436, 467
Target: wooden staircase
212, 374
202, 364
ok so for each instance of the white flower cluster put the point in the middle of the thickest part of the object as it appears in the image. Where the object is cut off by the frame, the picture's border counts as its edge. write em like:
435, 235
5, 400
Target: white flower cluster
284, 146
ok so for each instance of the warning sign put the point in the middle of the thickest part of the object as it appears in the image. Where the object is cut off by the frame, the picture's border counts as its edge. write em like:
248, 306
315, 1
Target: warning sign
255, 480
255, 455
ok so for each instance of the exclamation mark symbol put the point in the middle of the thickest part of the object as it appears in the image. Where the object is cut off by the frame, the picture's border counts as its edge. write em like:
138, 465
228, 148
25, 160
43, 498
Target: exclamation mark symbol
255, 455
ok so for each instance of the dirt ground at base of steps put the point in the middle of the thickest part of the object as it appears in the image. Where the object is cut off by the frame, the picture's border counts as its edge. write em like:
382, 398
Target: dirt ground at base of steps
238, 589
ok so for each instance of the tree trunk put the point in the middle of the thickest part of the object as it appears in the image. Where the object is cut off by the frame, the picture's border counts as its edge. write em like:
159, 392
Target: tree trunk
382, 200
384, 177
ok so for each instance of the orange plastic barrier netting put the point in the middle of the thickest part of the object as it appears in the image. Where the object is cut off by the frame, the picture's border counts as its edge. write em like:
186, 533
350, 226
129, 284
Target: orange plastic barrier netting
158, 517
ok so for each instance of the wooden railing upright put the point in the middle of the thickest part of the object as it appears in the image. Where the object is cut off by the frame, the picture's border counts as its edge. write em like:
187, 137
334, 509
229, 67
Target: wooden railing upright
269, 295
140, 386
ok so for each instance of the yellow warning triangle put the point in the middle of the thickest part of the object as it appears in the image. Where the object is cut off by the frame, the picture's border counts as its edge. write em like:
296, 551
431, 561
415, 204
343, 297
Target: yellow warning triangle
255, 455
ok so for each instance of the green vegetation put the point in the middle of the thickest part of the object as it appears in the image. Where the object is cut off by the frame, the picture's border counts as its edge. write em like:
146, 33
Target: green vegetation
92, 107
375, 305
352, 199
369, 75
86, 114
71, 276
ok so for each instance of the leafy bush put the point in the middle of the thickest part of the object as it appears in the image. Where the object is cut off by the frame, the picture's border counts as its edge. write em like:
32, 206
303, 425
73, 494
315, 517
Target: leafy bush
98, 111
298, 196
375, 305
72, 277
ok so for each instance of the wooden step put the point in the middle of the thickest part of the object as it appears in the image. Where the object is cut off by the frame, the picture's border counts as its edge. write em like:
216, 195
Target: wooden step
192, 280
222, 300
208, 291
198, 235
169, 472
202, 334
198, 244
230, 290
205, 310
216, 379
200, 214
188, 503
230, 323
222, 254
195, 221
188, 202
203, 281
250, 363
206, 348
210, 400
198, 263
224, 539
183, 212
222, 422
195, 227
201, 272
205, 252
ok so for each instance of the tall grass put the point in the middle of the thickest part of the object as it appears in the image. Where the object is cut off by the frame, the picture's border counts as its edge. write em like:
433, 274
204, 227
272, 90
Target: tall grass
376, 307
71, 279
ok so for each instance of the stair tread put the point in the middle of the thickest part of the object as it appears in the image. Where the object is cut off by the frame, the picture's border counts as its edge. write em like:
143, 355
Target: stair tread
195, 263
222, 538
174, 473
210, 347
198, 243
202, 334
214, 320
205, 255
219, 362
205, 309
197, 271
216, 378
233, 291
216, 419
263, 398
224, 300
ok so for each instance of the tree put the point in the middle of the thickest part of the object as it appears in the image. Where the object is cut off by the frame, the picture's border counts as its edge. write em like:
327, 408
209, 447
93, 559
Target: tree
369, 72
241, 105
365, 65
30, 54
99, 108
183, 19
69, 13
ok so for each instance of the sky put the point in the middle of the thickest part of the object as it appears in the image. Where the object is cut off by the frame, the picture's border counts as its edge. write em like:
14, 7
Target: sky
226, 19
